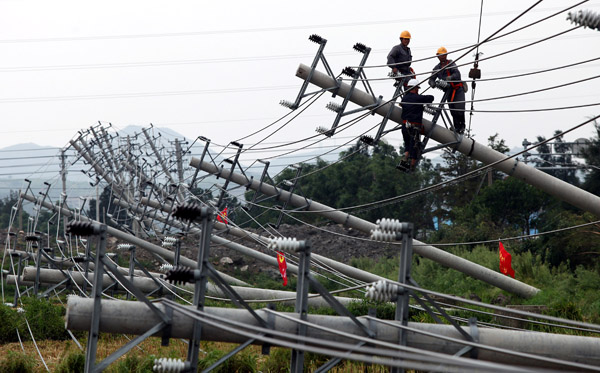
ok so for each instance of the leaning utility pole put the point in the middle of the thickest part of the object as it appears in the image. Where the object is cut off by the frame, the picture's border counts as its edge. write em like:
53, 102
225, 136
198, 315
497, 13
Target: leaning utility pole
512, 167
129, 238
474, 270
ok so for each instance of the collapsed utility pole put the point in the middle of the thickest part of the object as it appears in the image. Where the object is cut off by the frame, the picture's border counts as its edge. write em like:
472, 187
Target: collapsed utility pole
571, 348
129, 238
511, 166
452, 261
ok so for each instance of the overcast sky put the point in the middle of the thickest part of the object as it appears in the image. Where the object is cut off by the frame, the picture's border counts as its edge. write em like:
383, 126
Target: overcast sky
219, 69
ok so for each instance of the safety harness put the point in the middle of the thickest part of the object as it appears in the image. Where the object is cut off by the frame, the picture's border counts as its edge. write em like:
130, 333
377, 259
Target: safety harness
455, 86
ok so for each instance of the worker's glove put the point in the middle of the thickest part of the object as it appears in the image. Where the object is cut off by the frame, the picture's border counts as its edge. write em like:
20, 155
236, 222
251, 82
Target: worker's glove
441, 84
432, 84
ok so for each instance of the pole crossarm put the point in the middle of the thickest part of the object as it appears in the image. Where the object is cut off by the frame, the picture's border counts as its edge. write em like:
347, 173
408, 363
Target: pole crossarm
452, 261
560, 189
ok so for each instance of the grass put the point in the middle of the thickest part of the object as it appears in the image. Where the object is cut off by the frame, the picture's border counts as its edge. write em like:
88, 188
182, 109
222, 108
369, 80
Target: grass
66, 357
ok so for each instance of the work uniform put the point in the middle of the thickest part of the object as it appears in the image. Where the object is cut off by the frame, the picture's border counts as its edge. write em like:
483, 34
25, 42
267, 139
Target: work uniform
400, 58
412, 116
452, 75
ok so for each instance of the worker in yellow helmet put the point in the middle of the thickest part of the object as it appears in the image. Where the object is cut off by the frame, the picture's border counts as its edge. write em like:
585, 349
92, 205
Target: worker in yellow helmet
400, 58
446, 70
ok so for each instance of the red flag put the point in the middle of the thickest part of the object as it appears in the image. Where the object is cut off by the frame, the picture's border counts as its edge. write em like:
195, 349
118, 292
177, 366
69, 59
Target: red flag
222, 216
282, 267
505, 262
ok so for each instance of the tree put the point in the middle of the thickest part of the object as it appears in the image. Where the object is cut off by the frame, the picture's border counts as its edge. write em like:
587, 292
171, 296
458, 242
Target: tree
591, 153
557, 158
363, 177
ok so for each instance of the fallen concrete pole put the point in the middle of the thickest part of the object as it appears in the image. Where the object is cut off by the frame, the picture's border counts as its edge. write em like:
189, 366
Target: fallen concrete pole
560, 189
449, 260
116, 317
138, 242
147, 285
54, 276
68, 263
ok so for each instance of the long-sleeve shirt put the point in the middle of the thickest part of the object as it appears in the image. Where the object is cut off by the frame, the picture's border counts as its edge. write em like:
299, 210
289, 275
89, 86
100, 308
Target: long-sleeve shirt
400, 58
449, 73
411, 110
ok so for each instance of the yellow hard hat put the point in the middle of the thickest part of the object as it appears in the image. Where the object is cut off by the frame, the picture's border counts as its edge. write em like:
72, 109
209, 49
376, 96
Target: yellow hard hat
405, 35
442, 50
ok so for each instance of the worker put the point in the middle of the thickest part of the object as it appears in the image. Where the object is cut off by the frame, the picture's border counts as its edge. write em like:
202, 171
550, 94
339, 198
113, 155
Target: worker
400, 58
412, 123
446, 70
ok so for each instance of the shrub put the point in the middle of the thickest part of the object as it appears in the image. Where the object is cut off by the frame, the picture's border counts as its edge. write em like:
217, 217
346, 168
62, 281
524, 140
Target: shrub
45, 319
133, 363
74, 362
16, 362
9, 324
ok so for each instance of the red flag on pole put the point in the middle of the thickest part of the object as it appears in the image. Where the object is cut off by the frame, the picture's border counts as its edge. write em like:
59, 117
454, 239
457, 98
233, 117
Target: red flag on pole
282, 267
505, 262
222, 216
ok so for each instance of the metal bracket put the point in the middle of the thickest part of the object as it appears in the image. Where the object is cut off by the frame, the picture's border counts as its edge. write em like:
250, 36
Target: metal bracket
355, 75
318, 57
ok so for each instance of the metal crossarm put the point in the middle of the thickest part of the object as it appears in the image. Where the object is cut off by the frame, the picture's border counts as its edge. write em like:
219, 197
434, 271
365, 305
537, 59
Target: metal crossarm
355, 75
381, 131
228, 179
292, 186
318, 57
263, 176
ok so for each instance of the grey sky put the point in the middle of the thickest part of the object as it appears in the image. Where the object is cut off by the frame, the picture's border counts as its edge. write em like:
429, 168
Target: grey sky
219, 69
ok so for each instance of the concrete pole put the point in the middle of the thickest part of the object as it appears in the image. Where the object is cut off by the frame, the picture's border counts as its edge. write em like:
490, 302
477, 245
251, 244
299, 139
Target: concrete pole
63, 177
562, 190
133, 240
452, 261
117, 317
163, 164
146, 285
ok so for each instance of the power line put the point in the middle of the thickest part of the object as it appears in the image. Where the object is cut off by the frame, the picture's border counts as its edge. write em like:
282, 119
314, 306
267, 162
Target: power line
253, 30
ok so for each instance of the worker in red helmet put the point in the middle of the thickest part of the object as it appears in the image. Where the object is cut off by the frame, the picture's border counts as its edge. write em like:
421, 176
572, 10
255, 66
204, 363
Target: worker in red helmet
412, 123
446, 70
400, 58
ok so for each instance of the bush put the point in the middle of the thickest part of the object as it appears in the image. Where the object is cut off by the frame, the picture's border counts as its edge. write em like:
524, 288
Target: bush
9, 324
16, 362
45, 319
74, 362
133, 363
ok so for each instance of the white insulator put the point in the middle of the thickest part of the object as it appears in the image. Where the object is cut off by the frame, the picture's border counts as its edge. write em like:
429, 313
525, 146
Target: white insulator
385, 236
382, 291
284, 244
585, 18
8, 304
322, 129
164, 268
169, 241
287, 104
429, 109
168, 365
125, 246
386, 224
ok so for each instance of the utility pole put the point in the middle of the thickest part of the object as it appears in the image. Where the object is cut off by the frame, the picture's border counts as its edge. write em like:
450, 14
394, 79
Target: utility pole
63, 176
569, 193
452, 261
